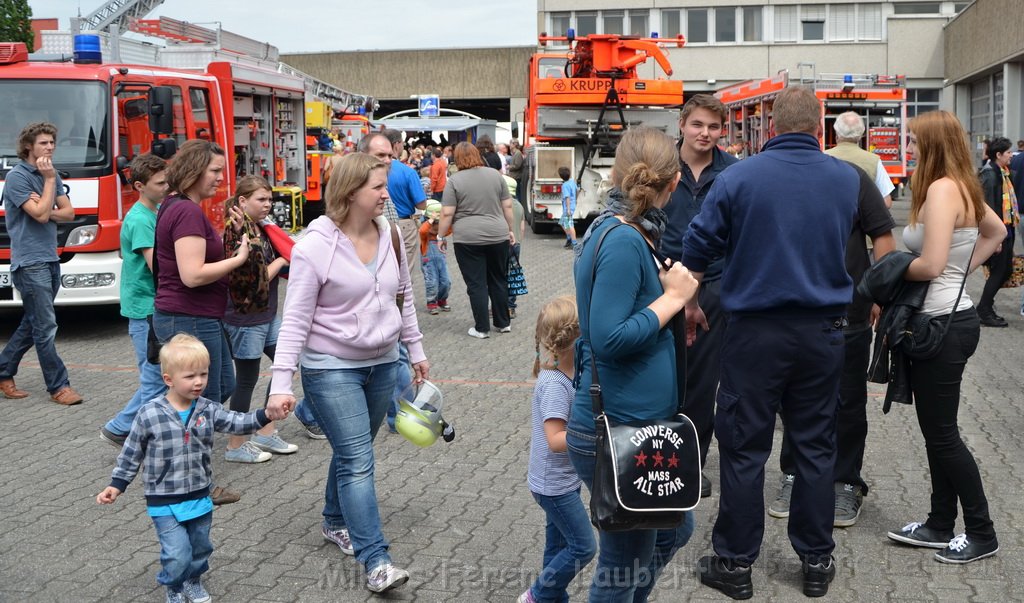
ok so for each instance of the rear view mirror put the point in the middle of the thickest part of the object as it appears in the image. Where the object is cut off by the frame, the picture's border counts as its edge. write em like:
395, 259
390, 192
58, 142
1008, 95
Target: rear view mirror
161, 117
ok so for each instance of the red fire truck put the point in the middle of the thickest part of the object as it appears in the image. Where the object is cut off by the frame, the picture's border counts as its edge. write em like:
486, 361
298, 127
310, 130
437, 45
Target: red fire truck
107, 113
880, 99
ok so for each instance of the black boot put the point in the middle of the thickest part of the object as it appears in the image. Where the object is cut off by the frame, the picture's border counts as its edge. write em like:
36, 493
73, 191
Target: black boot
989, 318
818, 573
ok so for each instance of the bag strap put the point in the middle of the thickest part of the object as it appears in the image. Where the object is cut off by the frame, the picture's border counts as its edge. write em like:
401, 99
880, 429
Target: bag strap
396, 245
596, 399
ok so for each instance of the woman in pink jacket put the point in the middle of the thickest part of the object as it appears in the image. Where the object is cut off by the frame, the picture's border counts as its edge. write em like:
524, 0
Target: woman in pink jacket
349, 304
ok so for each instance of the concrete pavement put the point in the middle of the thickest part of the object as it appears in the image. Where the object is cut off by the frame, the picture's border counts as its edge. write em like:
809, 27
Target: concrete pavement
459, 516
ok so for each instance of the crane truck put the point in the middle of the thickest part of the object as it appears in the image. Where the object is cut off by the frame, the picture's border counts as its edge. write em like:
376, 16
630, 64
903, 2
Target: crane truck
579, 103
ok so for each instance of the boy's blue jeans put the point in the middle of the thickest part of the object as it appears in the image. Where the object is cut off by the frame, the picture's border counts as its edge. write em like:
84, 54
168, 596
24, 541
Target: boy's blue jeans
151, 383
435, 274
568, 546
185, 549
38, 285
349, 406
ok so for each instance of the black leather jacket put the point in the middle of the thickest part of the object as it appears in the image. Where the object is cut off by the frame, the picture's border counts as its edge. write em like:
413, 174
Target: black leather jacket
885, 285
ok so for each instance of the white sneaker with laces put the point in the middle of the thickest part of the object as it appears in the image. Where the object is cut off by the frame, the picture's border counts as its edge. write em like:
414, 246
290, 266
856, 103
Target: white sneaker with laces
386, 577
273, 443
474, 333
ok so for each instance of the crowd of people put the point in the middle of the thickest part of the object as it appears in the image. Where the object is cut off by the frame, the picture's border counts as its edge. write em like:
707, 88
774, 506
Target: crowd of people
773, 326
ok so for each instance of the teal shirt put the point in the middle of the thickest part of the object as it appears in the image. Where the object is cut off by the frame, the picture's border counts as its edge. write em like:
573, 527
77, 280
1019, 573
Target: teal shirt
189, 509
137, 288
569, 192
636, 360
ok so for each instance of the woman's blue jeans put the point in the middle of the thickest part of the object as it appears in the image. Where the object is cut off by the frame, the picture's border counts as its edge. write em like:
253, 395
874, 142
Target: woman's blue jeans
628, 563
568, 545
210, 331
349, 406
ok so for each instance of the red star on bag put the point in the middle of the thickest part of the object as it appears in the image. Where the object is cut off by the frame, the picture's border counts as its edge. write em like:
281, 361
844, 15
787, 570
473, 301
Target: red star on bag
673, 461
641, 459
659, 461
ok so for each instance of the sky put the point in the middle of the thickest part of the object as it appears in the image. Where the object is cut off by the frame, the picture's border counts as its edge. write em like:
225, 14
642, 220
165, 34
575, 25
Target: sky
333, 25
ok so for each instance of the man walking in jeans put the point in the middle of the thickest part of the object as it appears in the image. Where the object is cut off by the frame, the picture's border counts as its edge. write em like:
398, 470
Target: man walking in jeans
34, 201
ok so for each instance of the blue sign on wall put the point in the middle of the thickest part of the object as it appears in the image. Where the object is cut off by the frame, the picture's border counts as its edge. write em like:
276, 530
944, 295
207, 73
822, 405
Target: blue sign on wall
430, 105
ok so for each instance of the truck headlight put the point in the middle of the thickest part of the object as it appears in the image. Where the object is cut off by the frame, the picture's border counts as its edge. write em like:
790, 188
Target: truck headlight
83, 235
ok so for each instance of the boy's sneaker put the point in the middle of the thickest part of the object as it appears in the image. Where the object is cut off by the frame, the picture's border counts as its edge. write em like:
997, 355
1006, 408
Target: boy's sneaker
568, 244
507, 329
112, 438
780, 506
432, 308
223, 496
194, 591
961, 550
526, 597
511, 312
443, 304
273, 443
339, 537
385, 577
314, 432
246, 453
848, 501
817, 576
474, 333
918, 534
175, 596
730, 578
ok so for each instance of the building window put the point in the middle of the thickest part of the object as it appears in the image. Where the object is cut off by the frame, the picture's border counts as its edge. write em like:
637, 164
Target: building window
586, 24
981, 108
612, 20
785, 23
842, 23
812, 23
752, 25
959, 6
559, 24
997, 104
916, 8
638, 23
725, 24
697, 25
670, 26
869, 21
922, 100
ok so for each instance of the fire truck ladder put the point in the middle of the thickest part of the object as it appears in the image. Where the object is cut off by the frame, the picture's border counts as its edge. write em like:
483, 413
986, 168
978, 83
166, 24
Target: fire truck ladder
336, 97
599, 132
119, 13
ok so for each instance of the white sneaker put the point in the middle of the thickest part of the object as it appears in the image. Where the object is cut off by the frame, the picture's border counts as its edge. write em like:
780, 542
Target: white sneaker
507, 329
474, 333
385, 577
273, 443
246, 453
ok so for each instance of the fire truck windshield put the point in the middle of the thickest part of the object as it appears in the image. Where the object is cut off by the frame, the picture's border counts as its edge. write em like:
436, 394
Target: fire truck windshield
80, 110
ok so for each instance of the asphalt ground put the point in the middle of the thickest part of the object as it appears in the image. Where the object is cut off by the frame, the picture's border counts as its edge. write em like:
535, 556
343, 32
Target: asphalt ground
459, 516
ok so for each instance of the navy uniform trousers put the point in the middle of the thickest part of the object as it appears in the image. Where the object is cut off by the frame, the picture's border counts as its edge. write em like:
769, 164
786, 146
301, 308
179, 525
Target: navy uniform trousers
775, 362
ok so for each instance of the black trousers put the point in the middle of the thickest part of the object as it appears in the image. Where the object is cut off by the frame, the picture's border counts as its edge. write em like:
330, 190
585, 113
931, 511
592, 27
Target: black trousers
484, 268
702, 367
1000, 268
954, 472
770, 362
852, 421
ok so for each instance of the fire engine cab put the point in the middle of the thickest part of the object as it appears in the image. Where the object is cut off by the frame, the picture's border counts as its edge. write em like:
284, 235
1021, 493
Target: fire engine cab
880, 99
107, 113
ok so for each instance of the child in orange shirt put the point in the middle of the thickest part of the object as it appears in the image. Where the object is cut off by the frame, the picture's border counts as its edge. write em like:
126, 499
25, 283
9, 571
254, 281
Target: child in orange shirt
435, 266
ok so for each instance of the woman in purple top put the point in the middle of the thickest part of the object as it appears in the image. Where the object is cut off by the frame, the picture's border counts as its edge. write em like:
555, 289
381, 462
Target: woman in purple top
189, 264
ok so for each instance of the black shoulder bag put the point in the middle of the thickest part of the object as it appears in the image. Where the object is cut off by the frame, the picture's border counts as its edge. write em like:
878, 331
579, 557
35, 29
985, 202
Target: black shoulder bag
647, 473
924, 334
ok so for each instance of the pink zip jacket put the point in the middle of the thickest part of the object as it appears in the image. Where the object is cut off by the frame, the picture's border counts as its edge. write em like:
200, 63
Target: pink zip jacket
336, 306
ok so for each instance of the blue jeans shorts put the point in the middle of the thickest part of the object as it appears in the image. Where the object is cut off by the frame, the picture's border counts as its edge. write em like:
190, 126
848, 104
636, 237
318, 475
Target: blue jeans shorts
248, 343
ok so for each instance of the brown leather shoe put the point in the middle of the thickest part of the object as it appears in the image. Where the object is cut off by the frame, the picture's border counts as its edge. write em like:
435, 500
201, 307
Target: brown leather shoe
11, 390
223, 496
66, 396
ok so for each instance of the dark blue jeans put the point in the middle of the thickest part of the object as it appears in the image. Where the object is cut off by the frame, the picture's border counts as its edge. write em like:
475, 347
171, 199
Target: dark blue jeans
38, 285
568, 545
211, 332
628, 563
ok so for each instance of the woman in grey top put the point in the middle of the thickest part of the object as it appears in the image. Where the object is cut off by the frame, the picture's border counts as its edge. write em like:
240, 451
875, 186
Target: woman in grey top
947, 216
477, 206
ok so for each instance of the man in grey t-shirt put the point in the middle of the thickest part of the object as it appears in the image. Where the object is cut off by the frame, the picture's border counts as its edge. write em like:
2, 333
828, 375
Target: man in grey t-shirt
34, 201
